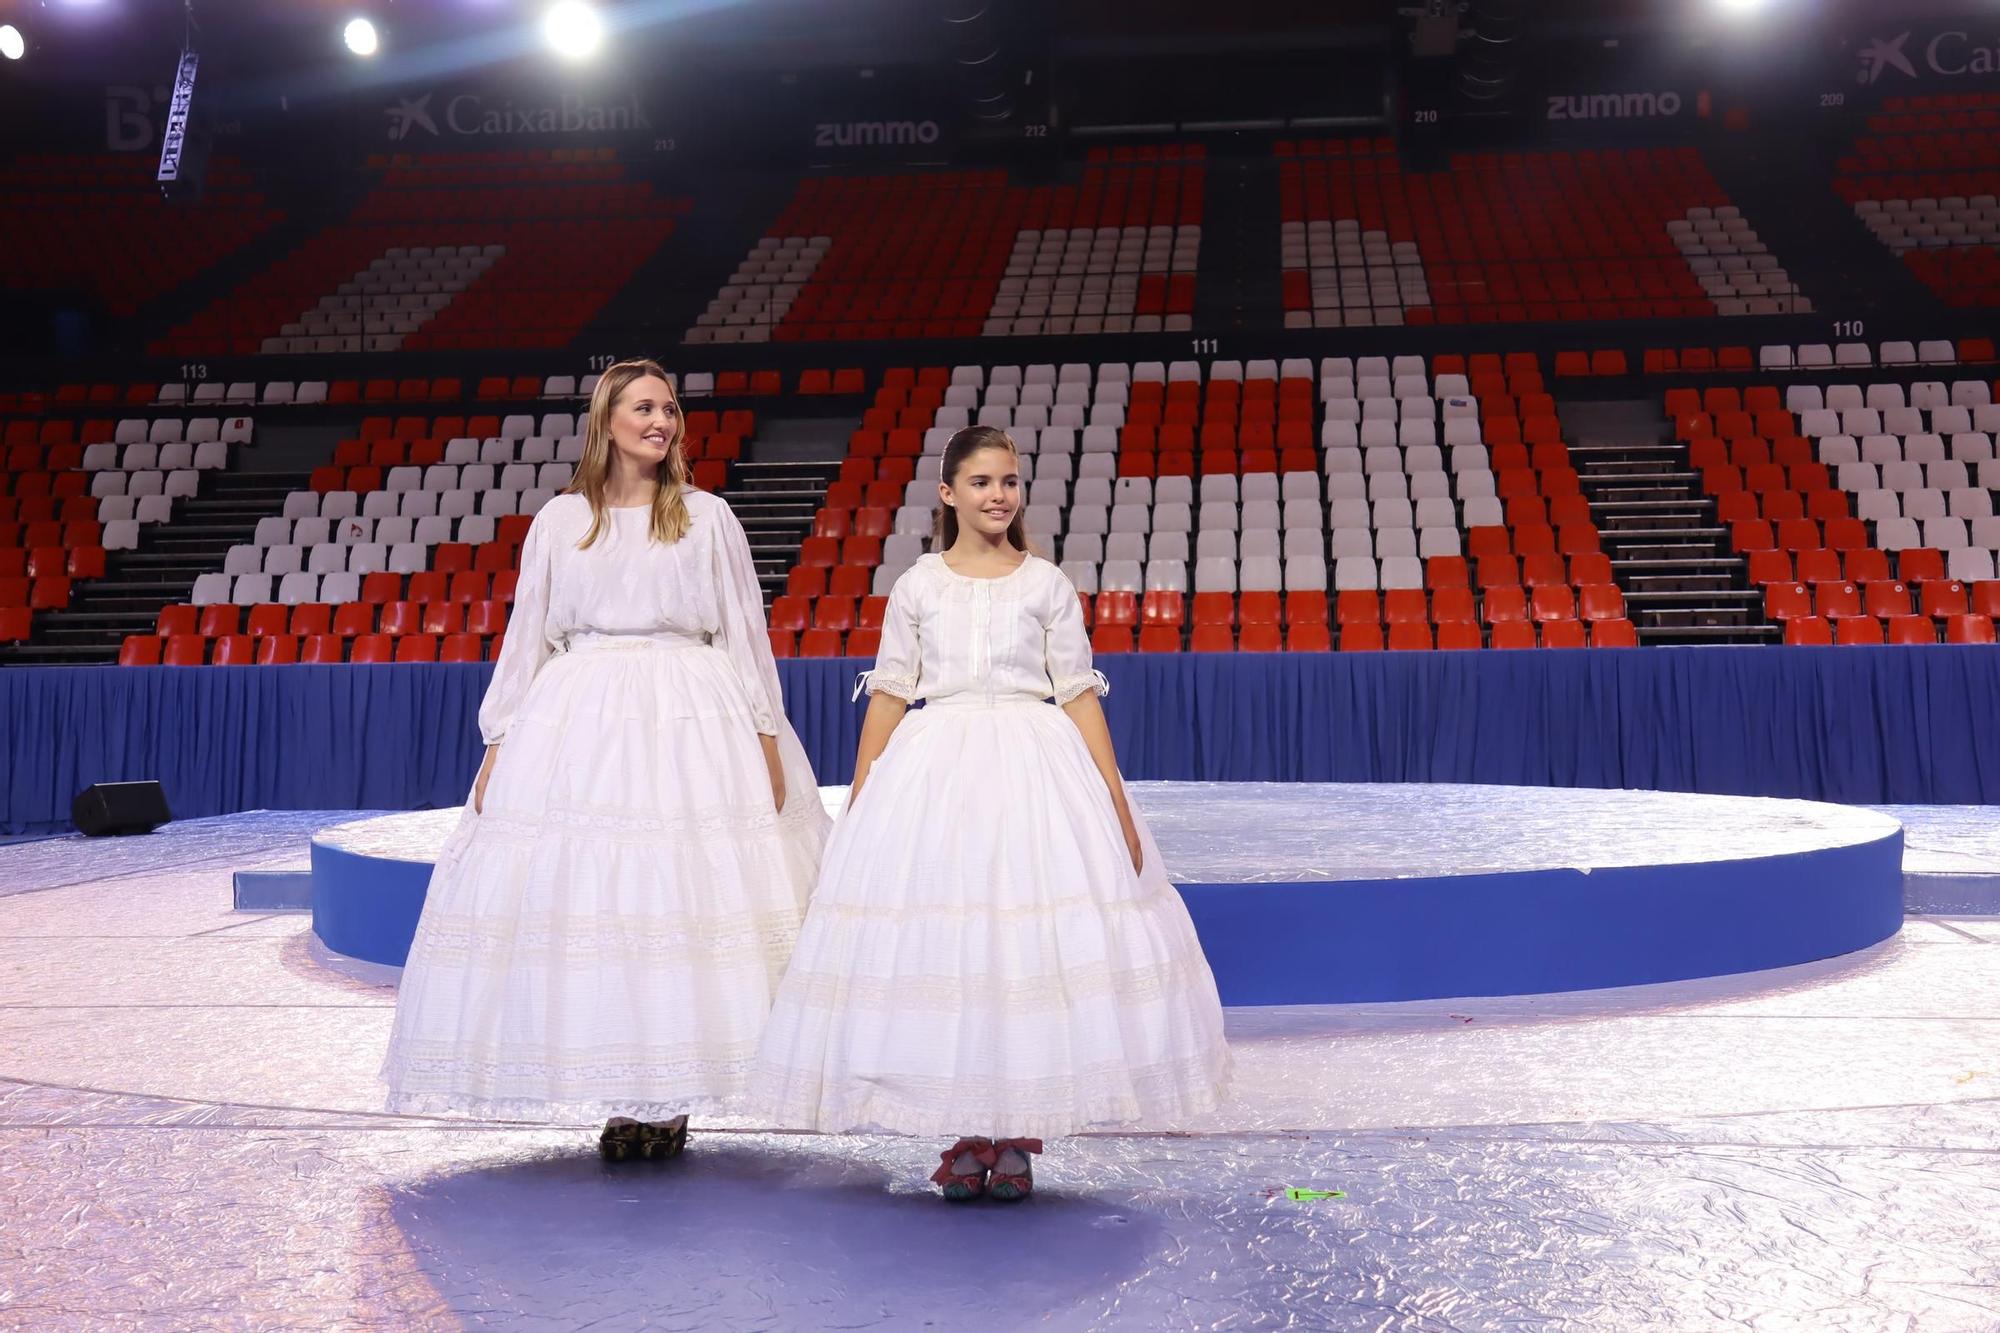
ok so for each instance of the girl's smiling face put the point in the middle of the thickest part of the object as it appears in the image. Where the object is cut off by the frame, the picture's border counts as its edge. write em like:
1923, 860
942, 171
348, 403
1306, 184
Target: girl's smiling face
986, 492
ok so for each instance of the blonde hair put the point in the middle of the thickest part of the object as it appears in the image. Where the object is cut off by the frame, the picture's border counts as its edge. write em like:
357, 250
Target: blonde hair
593, 470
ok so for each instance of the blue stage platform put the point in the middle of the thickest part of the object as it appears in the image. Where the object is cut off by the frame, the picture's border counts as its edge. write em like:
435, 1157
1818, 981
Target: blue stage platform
1872, 726
1333, 894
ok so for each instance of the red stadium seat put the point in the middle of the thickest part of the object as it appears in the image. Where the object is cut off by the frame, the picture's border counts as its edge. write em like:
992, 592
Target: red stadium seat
1920, 564
1864, 630
1891, 600
1968, 629
352, 619
1944, 599
1809, 632
177, 619
1110, 638
185, 650
1601, 601
277, 650
137, 650
1787, 601
1169, 609
1262, 637
1505, 606
1358, 607
373, 648
320, 649
1562, 634
1308, 638
1361, 637
790, 613
217, 621
234, 650
1404, 606
1911, 630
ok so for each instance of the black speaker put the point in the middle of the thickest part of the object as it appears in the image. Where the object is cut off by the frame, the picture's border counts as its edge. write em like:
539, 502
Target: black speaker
112, 809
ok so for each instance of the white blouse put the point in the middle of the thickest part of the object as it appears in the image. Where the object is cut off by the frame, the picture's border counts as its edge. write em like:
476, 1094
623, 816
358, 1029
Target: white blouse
702, 586
947, 635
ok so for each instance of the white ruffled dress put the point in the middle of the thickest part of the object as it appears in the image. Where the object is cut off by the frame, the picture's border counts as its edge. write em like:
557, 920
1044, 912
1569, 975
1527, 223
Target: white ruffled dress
979, 956
606, 938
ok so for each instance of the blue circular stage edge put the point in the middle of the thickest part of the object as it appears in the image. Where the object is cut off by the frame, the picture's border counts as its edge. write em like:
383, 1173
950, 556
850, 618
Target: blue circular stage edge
1349, 941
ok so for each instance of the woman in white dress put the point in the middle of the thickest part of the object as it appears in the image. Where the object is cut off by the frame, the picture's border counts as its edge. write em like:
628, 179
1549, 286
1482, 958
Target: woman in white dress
606, 928
993, 945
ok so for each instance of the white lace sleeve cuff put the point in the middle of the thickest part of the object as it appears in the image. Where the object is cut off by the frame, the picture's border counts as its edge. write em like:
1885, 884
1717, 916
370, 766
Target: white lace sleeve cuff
1072, 687
881, 682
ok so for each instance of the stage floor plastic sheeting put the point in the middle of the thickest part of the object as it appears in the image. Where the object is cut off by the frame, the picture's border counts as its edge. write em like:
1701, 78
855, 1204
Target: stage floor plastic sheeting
191, 1125
1951, 857
1288, 832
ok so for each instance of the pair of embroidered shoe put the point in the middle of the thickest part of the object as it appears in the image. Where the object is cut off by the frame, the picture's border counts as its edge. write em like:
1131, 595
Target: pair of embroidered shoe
627, 1140
996, 1169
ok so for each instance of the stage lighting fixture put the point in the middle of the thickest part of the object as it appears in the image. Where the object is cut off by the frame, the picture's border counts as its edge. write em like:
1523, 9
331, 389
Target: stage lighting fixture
361, 37
12, 44
1739, 8
573, 29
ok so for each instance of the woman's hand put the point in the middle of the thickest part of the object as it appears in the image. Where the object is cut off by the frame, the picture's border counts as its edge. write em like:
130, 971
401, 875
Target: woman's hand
776, 764
479, 784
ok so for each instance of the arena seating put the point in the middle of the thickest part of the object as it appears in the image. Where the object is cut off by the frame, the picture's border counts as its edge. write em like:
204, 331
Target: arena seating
70, 220
1923, 180
940, 254
406, 546
1215, 507
503, 249
1512, 237
1283, 503
73, 491
1206, 506
1863, 505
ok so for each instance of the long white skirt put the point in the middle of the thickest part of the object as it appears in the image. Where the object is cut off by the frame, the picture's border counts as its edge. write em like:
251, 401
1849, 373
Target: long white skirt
607, 937
981, 958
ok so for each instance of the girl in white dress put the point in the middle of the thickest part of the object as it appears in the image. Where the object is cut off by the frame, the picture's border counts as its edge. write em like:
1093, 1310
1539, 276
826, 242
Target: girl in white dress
993, 945
606, 928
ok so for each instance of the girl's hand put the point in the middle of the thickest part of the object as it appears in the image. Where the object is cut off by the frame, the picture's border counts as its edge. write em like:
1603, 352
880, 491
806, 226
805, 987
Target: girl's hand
776, 764
1132, 843
479, 784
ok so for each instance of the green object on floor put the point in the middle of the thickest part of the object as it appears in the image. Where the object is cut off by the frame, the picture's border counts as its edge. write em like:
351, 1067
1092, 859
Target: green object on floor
1313, 1196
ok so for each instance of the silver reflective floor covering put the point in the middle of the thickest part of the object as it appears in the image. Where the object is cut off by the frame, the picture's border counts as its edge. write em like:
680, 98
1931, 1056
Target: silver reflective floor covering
1283, 832
190, 1134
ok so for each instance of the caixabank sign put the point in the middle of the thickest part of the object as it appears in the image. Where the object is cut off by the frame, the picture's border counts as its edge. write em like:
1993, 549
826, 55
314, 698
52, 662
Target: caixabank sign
1906, 57
422, 116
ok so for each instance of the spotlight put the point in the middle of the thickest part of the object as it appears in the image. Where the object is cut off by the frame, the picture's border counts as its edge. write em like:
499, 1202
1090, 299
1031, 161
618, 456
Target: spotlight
361, 37
1739, 8
573, 29
12, 44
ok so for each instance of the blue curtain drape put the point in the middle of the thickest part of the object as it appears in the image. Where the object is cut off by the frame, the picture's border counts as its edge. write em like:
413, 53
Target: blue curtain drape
1855, 725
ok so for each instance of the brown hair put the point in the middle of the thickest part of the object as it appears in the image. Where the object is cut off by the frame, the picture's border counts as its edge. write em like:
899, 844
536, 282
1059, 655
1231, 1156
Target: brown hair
962, 446
593, 470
